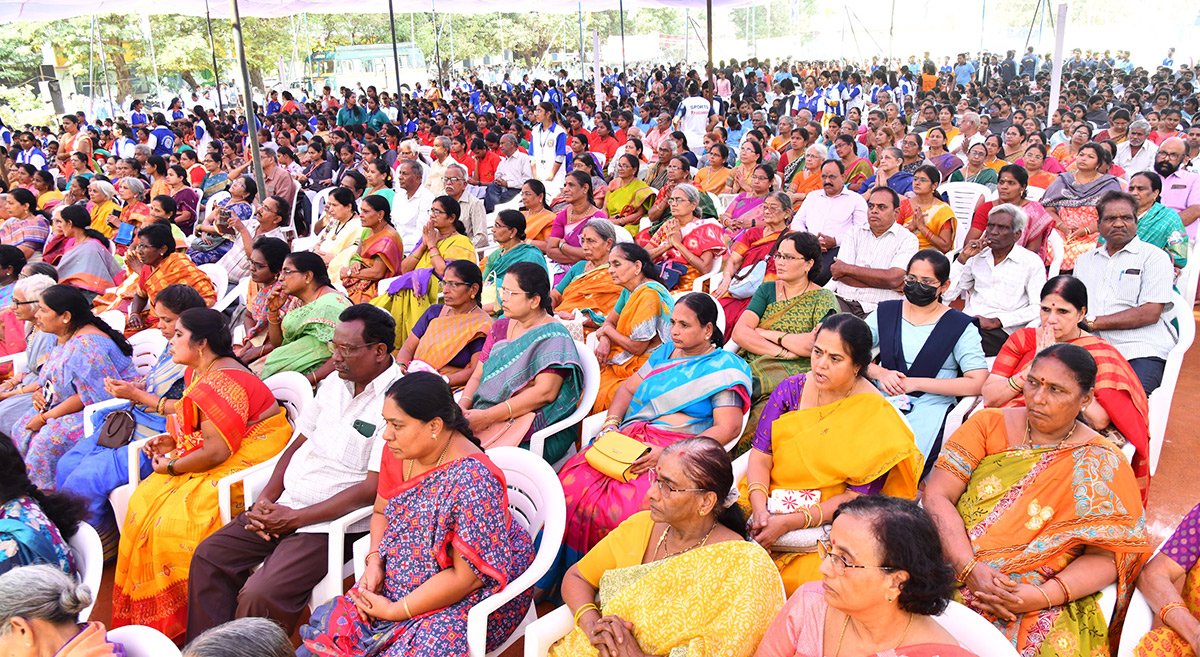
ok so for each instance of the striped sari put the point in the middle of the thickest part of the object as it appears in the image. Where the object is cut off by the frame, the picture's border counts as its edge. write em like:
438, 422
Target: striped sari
384, 245
642, 316
175, 268
448, 334
410, 295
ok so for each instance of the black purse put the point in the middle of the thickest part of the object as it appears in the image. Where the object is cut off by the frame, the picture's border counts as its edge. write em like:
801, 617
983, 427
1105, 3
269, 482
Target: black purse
117, 430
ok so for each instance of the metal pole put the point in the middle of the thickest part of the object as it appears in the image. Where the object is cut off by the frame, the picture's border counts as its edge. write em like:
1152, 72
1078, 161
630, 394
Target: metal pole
308, 54
582, 61
892, 30
708, 21
91, 63
687, 41
1056, 72
437, 43
212, 44
624, 71
982, 31
153, 57
395, 48
251, 119
104, 66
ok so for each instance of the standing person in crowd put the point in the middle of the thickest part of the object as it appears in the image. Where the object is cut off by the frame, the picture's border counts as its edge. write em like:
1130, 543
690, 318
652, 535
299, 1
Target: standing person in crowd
1072, 198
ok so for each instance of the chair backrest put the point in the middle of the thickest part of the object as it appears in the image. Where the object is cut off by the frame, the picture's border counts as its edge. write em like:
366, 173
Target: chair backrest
292, 390
1054, 242
88, 552
219, 277
115, 319
535, 495
974, 632
318, 206
148, 346
142, 641
1160, 399
1034, 193
962, 198
214, 200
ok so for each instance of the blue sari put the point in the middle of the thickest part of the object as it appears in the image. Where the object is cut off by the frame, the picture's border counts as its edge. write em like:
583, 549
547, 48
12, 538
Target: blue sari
27, 538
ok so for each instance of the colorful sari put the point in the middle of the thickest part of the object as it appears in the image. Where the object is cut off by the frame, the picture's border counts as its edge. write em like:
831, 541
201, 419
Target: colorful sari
1076, 207
1030, 512
461, 505
101, 214
169, 516
799, 631
860, 442
946, 163
28, 537
92, 472
643, 315
1182, 548
187, 199
626, 200
384, 245
800, 314
936, 218
987, 177
307, 331
77, 367
497, 265
447, 338
698, 236
1117, 389
537, 225
755, 245
212, 184
89, 266
745, 207
713, 182
510, 365
589, 290
412, 293
692, 386
1162, 227
712, 600
256, 310
175, 268
805, 183
858, 172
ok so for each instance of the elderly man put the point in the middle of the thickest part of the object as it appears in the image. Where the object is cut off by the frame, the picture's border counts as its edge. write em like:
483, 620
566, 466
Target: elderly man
472, 212
1129, 284
1180, 188
660, 133
1003, 279
960, 144
512, 172
279, 181
411, 203
329, 470
830, 214
1136, 153
435, 179
873, 258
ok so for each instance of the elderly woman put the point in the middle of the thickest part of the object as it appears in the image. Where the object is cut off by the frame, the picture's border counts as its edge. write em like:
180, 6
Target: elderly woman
39, 615
215, 234
442, 539
750, 261
530, 375
1169, 582
105, 212
1072, 199
87, 263
161, 266
299, 339
508, 231
449, 336
686, 246
746, 209
243, 637
628, 198
1011, 186
714, 178
134, 211
33, 523
865, 561
688, 387
976, 169
838, 438
660, 212
379, 252
788, 309
16, 395
680, 577
806, 179
588, 288
226, 421
1038, 513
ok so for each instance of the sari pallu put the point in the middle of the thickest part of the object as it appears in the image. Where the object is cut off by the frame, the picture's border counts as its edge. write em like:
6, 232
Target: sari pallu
946, 164
708, 210
592, 290
498, 263
716, 599
306, 332
1076, 207
461, 505
175, 268
169, 516
804, 183
213, 183
448, 334
104, 213
510, 365
1182, 548
1117, 389
858, 172
698, 236
1030, 512
410, 294
138, 214
625, 200
385, 245
537, 225
755, 245
642, 316
90, 267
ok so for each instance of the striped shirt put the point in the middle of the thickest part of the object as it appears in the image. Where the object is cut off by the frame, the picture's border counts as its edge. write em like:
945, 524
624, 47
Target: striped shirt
861, 248
1136, 275
1009, 290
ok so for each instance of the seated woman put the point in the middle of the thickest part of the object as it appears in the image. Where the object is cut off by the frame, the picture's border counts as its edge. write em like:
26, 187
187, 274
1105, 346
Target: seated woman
45, 617
34, 524
103, 209
449, 336
563, 245
530, 375
806, 179
869, 562
714, 178
378, 254
639, 322
1072, 199
215, 235
976, 170
87, 263
91, 470
187, 200
746, 209
628, 198
948, 164
134, 211
337, 231
227, 421
299, 339
12, 330
687, 245
929, 353
16, 395
688, 387
750, 157
838, 439
1170, 582
442, 539
925, 214
750, 261
538, 217
72, 376
216, 179
1119, 410
776, 331
1035, 157
681, 577
659, 212
24, 229
588, 288
1011, 187
443, 239
266, 268
586, 164
161, 266
509, 232
1037, 513
46, 190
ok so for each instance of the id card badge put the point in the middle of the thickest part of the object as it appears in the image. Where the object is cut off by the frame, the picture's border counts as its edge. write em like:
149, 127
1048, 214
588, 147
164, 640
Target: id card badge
366, 429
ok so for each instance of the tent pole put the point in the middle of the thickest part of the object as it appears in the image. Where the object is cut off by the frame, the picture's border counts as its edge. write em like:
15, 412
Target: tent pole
104, 66
687, 40
213, 45
308, 53
248, 107
891, 29
624, 71
1056, 71
91, 62
395, 48
153, 57
708, 21
582, 61
437, 42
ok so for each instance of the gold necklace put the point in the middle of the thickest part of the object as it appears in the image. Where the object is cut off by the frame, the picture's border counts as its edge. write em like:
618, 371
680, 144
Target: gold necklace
408, 475
846, 623
821, 416
1028, 443
663, 537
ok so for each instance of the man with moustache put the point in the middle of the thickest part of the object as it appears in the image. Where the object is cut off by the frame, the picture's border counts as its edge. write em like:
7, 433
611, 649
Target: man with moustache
1180, 187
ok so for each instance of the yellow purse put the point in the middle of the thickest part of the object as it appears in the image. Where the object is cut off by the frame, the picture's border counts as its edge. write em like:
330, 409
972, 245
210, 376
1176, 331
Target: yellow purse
614, 453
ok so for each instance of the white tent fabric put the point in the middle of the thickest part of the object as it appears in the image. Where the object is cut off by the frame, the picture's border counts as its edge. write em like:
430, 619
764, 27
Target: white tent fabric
49, 10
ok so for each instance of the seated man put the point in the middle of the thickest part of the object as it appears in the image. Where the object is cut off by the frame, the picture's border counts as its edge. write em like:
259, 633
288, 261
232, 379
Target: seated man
1004, 279
1129, 285
472, 215
871, 263
411, 203
830, 214
329, 470
511, 172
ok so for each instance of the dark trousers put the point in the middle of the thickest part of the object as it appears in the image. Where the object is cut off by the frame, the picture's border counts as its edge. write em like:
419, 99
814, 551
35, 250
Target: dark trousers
827, 262
993, 340
495, 195
221, 587
1149, 371
851, 306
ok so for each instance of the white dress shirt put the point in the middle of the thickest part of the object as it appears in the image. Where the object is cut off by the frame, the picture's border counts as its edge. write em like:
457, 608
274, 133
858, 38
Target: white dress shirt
1138, 274
1009, 290
1143, 161
409, 215
861, 248
833, 216
515, 169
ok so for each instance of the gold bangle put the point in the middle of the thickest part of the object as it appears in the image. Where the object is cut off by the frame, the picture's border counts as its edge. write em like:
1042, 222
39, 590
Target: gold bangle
821, 520
1162, 613
510, 411
966, 571
807, 517
1066, 590
1045, 595
1012, 383
404, 601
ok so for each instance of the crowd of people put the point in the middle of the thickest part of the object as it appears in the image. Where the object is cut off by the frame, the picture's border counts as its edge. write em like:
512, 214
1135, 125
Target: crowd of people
784, 302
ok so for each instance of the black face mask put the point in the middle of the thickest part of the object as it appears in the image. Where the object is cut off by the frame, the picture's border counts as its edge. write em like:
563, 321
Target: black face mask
919, 294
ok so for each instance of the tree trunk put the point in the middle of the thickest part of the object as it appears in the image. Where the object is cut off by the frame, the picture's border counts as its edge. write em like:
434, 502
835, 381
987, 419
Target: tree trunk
256, 78
190, 80
116, 55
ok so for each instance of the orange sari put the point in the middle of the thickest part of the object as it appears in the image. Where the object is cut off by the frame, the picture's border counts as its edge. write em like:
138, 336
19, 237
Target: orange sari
537, 226
175, 268
803, 183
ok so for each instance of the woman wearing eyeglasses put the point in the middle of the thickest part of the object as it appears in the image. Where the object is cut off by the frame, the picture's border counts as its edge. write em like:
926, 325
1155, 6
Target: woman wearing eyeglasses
776, 330
162, 265
449, 336
865, 565
16, 394
926, 215
299, 339
660, 212
686, 246
680, 577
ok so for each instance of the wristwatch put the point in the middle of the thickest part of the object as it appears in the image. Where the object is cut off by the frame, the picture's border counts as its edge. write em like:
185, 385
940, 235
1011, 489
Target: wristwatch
1090, 323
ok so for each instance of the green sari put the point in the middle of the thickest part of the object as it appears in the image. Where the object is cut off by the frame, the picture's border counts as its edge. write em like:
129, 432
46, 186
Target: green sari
498, 263
626, 200
306, 332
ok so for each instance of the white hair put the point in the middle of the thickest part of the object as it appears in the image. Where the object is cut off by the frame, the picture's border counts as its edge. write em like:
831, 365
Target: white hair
42, 593
244, 637
1019, 218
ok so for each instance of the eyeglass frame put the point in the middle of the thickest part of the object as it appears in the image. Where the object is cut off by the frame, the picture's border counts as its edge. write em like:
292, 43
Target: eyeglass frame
825, 551
346, 350
664, 487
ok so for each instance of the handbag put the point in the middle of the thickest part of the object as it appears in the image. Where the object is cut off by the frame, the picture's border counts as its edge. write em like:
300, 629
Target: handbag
790, 501
125, 234
801, 540
747, 280
613, 454
510, 432
117, 430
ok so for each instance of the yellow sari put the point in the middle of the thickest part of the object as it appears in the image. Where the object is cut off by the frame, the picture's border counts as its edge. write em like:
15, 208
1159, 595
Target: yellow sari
100, 215
419, 288
642, 316
716, 599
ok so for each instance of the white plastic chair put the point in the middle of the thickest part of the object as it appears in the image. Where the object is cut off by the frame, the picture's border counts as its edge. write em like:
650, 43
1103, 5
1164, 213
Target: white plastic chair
214, 200
1034, 193
1138, 620
600, 158
1054, 242
20, 363
536, 501
591, 388
956, 417
712, 278
238, 293
142, 641
962, 198
219, 277
974, 632
148, 346
89, 560
115, 319
1160, 399
318, 205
